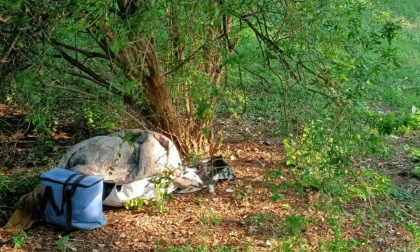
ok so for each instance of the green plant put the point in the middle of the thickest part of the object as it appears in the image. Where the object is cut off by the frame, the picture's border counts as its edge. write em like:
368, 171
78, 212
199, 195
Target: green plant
399, 216
225, 249
161, 245
293, 224
414, 229
210, 220
400, 193
290, 244
394, 122
137, 203
97, 120
414, 152
19, 239
320, 157
199, 200
202, 249
262, 217
17, 184
162, 181
188, 248
46, 153
414, 207
368, 184
338, 243
416, 171
243, 194
63, 243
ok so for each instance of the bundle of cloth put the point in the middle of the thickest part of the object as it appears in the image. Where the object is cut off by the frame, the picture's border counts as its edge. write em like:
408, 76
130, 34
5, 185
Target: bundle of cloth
129, 162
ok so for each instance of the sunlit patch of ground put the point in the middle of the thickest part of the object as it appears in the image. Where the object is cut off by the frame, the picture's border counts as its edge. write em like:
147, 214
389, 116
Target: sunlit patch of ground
239, 215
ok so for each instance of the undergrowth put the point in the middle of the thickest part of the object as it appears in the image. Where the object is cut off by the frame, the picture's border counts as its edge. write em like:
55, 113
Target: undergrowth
325, 158
161, 183
17, 184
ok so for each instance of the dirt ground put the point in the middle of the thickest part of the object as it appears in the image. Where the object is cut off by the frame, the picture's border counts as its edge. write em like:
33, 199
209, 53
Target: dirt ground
201, 219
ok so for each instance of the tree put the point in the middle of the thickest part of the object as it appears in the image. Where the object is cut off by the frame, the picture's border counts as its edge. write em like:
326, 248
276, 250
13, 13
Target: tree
166, 60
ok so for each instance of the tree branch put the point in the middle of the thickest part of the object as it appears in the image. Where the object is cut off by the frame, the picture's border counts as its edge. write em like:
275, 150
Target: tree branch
142, 124
94, 77
10, 44
82, 67
102, 43
270, 43
84, 52
184, 61
85, 77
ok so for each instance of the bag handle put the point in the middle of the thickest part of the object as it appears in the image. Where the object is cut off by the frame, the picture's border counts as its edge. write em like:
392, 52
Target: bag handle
67, 194
49, 197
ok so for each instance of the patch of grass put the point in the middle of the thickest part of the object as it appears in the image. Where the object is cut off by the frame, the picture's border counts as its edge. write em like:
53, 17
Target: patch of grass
209, 221
63, 243
189, 248
413, 152
213, 220
414, 229
291, 244
338, 243
416, 171
262, 217
399, 122
15, 185
199, 200
400, 193
415, 208
401, 88
293, 224
243, 195
19, 239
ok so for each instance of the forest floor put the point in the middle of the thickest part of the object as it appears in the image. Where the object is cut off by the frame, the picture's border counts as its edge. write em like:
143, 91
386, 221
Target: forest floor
239, 217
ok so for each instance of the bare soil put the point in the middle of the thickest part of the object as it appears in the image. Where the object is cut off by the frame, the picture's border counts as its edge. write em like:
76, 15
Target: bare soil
227, 218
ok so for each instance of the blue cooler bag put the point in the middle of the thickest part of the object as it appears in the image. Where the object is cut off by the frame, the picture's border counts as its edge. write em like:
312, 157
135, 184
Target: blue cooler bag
72, 200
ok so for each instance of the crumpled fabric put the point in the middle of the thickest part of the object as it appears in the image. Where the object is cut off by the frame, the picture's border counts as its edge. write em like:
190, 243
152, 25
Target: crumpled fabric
27, 212
123, 157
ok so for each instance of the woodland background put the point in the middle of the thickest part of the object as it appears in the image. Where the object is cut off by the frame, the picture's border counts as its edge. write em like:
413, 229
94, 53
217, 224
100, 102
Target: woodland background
313, 102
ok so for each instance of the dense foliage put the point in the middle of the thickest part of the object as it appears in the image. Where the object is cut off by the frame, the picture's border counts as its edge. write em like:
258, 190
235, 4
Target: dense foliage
172, 65
319, 69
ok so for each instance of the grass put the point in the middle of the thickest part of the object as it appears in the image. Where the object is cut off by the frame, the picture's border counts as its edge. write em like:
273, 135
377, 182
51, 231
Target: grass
401, 88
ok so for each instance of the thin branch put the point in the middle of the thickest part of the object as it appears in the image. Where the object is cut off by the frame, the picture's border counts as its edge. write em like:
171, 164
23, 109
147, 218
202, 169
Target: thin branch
260, 35
143, 124
88, 54
257, 75
335, 98
102, 43
273, 45
84, 77
95, 77
300, 63
11, 43
184, 61
73, 90
85, 69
